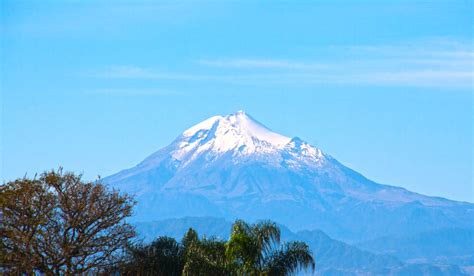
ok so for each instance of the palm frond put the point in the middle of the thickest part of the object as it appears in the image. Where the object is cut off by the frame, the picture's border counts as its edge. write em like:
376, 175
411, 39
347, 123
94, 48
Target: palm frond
267, 234
291, 258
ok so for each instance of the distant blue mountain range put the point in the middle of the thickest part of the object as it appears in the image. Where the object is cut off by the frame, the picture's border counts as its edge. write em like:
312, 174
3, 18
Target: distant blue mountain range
234, 167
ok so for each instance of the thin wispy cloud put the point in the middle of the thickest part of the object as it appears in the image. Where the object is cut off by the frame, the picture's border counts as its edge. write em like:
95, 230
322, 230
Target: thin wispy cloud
454, 79
136, 72
426, 65
431, 46
261, 63
132, 92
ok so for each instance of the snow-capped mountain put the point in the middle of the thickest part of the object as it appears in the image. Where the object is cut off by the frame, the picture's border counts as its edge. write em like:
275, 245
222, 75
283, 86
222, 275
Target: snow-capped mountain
233, 166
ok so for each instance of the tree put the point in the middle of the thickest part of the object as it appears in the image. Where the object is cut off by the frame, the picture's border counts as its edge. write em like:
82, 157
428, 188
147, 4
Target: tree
255, 249
164, 256
205, 256
59, 224
289, 258
251, 250
25, 206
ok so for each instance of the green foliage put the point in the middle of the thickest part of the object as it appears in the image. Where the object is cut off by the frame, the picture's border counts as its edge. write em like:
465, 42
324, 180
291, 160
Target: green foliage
289, 259
189, 238
206, 257
250, 244
251, 250
255, 250
164, 256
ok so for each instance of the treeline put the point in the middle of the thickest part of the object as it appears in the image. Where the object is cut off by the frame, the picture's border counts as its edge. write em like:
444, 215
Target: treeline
250, 250
57, 224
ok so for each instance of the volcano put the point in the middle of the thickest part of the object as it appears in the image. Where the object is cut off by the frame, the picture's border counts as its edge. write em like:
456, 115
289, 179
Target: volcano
234, 167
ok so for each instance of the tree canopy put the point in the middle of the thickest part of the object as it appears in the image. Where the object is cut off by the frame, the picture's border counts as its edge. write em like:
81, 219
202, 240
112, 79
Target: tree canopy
252, 249
59, 224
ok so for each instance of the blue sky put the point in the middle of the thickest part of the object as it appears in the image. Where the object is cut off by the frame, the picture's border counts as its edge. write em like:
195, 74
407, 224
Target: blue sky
386, 87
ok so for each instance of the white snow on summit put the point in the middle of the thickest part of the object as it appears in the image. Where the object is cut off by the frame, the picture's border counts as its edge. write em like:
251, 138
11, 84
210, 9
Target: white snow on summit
236, 132
204, 125
240, 123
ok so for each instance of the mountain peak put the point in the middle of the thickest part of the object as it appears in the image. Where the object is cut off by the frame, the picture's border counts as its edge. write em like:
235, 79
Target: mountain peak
239, 138
237, 130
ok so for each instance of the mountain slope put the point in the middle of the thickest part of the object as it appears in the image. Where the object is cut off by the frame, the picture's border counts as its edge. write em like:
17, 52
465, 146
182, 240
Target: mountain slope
233, 166
446, 245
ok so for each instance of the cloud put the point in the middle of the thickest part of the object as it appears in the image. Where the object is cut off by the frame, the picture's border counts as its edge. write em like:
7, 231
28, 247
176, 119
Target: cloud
443, 63
453, 79
261, 63
132, 92
135, 72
